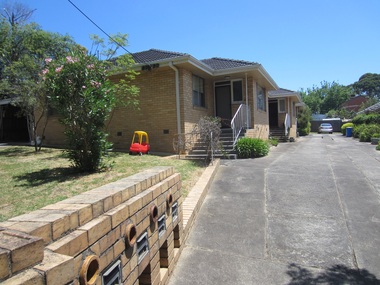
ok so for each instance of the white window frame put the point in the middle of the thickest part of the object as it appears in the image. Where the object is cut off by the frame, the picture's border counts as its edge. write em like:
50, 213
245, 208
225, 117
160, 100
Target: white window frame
280, 110
264, 109
200, 92
232, 91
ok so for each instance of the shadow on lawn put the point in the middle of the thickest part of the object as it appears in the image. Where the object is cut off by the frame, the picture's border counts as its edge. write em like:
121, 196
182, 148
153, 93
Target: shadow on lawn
40, 177
17, 151
337, 274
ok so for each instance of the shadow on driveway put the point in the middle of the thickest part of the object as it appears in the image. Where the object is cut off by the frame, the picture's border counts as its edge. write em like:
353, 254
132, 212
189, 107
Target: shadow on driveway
337, 274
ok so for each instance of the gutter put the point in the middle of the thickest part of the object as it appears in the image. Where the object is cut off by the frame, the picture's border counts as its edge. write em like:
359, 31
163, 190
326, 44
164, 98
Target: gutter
178, 105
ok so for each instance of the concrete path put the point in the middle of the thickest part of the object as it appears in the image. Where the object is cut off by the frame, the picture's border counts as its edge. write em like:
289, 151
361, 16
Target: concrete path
309, 213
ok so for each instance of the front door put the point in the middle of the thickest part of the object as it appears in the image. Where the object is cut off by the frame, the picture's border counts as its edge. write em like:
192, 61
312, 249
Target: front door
223, 103
273, 114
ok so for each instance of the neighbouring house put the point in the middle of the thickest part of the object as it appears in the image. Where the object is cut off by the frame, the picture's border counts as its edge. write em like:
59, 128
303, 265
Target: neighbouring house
176, 90
284, 106
354, 103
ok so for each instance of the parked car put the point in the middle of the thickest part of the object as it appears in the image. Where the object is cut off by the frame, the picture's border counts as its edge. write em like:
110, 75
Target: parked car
325, 128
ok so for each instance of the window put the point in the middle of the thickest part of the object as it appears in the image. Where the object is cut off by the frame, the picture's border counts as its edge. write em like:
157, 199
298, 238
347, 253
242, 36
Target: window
198, 92
237, 91
281, 105
261, 98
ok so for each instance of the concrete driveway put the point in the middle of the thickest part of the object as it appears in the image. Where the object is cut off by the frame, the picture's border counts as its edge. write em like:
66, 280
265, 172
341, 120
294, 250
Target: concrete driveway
308, 213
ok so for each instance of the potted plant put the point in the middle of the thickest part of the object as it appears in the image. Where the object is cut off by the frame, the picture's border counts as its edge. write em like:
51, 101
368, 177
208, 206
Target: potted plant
375, 138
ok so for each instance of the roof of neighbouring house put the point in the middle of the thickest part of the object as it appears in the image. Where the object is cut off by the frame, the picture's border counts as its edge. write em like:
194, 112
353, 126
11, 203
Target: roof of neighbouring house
354, 103
280, 92
372, 109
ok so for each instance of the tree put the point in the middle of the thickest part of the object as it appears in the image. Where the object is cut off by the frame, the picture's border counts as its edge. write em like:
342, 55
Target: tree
368, 84
303, 121
15, 13
81, 91
23, 48
329, 96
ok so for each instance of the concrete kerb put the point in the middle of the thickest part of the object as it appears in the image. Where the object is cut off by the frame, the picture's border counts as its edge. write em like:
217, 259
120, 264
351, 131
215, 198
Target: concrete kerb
193, 202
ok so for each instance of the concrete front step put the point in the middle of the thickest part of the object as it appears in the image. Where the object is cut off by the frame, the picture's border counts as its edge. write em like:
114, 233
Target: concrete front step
204, 156
226, 139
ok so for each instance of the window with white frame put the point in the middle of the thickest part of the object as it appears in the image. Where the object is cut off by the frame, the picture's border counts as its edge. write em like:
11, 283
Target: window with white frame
261, 98
198, 92
281, 106
237, 91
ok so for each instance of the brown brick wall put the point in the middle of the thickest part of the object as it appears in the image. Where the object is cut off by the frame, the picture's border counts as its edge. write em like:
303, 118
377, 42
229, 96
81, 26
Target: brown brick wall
157, 114
259, 118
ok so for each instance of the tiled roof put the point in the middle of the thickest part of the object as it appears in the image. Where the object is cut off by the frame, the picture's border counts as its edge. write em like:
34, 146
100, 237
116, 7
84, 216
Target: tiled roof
217, 63
154, 55
280, 91
372, 109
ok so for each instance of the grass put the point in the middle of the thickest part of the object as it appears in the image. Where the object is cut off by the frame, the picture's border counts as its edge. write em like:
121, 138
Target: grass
30, 180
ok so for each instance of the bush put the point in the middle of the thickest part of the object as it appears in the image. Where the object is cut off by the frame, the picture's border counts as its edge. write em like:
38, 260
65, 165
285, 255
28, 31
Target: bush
378, 146
303, 122
344, 126
366, 119
273, 142
366, 132
251, 147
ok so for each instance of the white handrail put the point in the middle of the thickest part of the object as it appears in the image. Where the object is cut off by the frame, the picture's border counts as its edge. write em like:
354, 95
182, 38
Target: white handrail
240, 121
287, 123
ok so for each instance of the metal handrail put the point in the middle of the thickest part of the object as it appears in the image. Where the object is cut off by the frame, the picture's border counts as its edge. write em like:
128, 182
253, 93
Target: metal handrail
287, 123
240, 121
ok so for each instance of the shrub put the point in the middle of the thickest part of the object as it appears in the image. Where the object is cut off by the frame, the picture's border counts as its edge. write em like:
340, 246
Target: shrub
251, 147
376, 135
366, 119
378, 146
273, 142
357, 130
303, 122
344, 126
368, 131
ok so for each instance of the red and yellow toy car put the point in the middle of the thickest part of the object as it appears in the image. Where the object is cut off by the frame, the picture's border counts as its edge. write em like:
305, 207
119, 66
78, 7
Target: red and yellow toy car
140, 143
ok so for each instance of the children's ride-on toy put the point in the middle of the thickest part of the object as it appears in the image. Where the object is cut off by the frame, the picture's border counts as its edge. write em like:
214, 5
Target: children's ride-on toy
140, 143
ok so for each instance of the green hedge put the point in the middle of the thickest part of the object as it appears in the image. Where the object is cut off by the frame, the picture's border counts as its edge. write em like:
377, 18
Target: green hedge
365, 132
344, 126
251, 147
366, 119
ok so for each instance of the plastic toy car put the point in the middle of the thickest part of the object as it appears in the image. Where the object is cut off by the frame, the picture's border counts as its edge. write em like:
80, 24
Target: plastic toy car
140, 143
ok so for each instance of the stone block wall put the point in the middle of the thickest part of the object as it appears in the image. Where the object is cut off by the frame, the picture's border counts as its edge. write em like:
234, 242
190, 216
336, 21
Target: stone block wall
129, 231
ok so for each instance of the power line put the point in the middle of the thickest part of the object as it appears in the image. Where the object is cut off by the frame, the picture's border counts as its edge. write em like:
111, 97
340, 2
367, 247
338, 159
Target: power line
104, 32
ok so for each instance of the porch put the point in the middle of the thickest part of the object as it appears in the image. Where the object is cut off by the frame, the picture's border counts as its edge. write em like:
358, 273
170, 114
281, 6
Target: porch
283, 108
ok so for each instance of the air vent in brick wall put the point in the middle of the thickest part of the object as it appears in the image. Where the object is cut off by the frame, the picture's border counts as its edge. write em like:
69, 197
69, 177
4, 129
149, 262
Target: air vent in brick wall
127, 231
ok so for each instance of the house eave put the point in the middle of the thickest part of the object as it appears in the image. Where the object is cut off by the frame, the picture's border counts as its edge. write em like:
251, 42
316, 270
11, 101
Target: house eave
257, 69
287, 95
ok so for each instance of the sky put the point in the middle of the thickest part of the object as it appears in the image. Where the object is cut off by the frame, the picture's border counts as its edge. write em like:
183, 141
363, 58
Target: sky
300, 43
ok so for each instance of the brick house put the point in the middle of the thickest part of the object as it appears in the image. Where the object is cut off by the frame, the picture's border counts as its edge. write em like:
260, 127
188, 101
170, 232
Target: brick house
354, 103
176, 90
283, 110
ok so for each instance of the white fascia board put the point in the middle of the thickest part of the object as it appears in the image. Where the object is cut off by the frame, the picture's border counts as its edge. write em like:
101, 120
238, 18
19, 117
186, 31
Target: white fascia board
229, 71
286, 95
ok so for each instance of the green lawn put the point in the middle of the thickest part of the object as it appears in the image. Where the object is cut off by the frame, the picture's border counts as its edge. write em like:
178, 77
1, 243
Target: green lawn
30, 180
